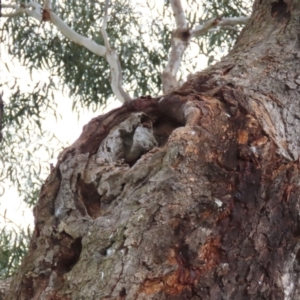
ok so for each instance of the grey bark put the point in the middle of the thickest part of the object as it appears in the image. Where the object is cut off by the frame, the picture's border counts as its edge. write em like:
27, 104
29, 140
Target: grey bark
1, 116
192, 195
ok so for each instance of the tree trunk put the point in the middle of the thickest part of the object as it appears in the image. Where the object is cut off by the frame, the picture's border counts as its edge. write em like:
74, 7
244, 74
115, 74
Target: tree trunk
1, 116
193, 195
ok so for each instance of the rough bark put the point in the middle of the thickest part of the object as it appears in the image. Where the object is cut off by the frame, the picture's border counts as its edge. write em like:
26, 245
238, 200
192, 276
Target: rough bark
193, 195
1, 116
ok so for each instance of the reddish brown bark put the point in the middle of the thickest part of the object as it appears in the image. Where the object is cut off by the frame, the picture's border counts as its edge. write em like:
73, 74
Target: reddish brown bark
193, 195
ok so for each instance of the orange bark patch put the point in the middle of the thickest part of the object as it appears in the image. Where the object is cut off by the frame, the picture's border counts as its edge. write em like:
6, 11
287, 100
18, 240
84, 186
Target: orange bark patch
243, 137
259, 142
172, 285
152, 286
210, 252
172, 257
224, 214
287, 192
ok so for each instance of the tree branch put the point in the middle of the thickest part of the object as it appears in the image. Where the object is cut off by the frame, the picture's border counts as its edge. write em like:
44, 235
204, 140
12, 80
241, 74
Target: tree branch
115, 66
218, 22
180, 18
75, 37
36, 11
31, 9
181, 37
179, 42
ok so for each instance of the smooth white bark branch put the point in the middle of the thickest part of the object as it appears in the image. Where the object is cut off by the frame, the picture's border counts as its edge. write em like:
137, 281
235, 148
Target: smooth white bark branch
213, 23
35, 12
115, 66
179, 15
34, 9
47, 5
179, 42
75, 37
218, 28
181, 38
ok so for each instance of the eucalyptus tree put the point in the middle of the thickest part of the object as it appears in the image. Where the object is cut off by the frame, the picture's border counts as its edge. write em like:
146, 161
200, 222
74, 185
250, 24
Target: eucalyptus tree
188, 193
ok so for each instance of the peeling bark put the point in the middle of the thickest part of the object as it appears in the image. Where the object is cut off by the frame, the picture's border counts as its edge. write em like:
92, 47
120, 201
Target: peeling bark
191, 195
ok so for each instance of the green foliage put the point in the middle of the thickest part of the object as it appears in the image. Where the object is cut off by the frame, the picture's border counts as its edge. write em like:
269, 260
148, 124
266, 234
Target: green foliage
14, 244
25, 141
139, 31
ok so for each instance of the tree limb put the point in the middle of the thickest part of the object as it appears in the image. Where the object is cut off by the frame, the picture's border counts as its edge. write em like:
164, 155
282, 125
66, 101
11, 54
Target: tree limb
181, 37
77, 38
218, 22
31, 9
179, 42
179, 15
44, 13
115, 66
